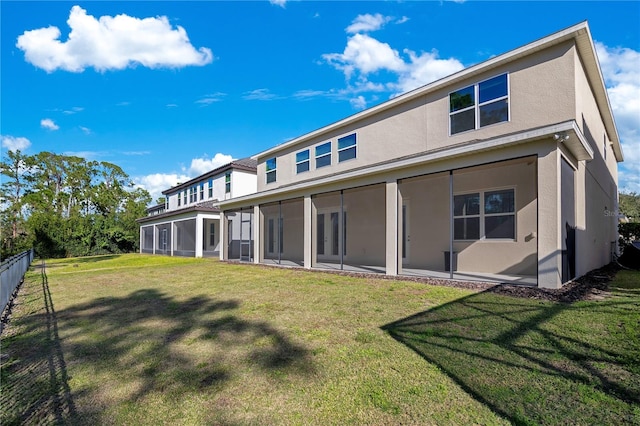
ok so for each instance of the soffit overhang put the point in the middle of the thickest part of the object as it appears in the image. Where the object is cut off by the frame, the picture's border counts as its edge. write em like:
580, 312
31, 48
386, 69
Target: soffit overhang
576, 143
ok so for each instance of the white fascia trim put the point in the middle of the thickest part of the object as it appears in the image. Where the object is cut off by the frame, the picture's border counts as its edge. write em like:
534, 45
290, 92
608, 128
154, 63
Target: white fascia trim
466, 149
580, 148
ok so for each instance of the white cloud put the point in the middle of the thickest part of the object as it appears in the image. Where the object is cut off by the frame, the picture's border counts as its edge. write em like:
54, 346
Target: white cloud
73, 110
425, 68
621, 72
367, 22
366, 59
12, 143
207, 100
358, 102
157, 182
281, 3
47, 123
85, 130
365, 55
111, 43
259, 95
203, 165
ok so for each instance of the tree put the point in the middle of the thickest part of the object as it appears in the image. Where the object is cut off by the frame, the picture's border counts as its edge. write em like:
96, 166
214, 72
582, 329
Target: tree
71, 206
16, 168
629, 205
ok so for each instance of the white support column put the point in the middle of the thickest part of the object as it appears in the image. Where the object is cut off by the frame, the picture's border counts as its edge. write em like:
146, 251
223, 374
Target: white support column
141, 239
392, 227
400, 236
308, 232
173, 236
257, 234
224, 228
549, 217
199, 239
155, 231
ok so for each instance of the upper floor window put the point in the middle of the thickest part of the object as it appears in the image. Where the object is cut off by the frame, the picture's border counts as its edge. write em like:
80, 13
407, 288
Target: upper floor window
227, 182
479, 105
201, 191
347, 148
184, 197
179, 198
210, 188
323, 155
302, 161
271, 170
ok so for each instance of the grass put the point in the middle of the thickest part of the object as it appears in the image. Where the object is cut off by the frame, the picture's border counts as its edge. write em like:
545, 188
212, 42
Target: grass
139, 339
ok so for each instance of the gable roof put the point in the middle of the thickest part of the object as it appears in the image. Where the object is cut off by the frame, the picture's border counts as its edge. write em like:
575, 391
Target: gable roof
247, 164
584, 43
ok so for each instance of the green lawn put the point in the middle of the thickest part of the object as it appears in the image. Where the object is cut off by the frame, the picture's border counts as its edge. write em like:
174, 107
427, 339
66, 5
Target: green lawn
139, 339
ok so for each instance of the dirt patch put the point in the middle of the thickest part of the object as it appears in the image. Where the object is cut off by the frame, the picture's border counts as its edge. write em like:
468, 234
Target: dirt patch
591, 286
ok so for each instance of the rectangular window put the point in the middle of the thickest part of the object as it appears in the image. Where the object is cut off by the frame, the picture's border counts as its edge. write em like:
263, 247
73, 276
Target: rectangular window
484, 215
347, 148
479, 105
212, 234
271, 170
466, 217
210, 188
227, 182
499, 214
302, 161
179, 199
201, 191
323, 155
184, 197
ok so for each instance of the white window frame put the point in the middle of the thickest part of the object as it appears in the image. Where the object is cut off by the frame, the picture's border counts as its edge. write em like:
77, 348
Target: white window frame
354, 146
273, 171
477, 105
482, 215
210, 189
308, 161
328, 154
470, 216
227, 183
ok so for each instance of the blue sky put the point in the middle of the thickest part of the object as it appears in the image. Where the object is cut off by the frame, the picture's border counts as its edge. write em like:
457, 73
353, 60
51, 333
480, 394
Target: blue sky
168, 90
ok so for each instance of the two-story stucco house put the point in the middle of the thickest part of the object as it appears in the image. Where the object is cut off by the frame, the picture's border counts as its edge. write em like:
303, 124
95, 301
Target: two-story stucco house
504, 171
188, 224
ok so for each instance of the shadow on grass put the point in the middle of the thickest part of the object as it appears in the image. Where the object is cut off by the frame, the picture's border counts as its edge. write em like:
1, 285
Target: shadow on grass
35, 387
145, 343
536, 362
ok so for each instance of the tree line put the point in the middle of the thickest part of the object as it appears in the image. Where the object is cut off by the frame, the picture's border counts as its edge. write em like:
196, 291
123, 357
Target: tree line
67, 206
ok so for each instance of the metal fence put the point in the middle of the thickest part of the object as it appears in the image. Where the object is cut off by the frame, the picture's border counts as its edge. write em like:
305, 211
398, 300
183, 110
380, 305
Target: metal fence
12, 272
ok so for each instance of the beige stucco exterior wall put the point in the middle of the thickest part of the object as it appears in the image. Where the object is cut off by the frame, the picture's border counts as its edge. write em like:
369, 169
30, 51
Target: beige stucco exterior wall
518, 257
549, 230
596, 183
423, 123
428, 220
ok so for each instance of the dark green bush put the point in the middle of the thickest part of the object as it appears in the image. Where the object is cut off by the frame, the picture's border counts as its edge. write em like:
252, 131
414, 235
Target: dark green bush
628, 232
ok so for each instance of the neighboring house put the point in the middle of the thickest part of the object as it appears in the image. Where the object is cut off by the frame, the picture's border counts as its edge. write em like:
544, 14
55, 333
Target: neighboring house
503, 172
189, 222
